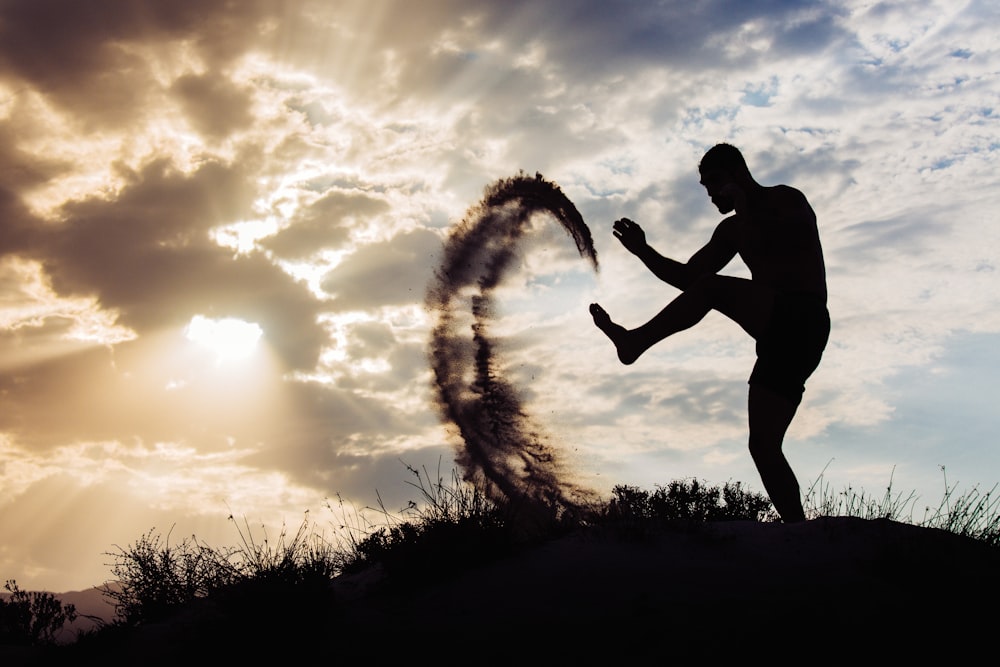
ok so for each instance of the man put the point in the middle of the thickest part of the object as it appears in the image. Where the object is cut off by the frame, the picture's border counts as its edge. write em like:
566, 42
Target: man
782, 306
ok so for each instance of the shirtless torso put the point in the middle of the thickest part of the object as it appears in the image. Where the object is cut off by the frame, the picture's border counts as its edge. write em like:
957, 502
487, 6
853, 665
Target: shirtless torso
779, 242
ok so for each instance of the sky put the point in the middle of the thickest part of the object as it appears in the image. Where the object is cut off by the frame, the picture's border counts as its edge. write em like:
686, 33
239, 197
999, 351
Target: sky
219, 219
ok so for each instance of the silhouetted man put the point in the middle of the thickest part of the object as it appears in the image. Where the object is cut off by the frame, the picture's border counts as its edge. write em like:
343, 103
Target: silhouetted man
783, 304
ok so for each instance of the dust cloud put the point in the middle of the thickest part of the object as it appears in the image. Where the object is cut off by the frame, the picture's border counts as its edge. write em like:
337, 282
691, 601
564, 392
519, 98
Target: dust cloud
503, 451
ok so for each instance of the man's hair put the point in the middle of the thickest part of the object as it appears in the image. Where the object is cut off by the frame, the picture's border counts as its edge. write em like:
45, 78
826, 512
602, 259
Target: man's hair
725, 157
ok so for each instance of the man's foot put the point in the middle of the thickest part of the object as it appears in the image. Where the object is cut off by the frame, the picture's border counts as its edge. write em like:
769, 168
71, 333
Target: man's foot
628, 352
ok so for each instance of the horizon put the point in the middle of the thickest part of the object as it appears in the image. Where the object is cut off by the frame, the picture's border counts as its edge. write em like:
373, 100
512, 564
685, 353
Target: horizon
219, 230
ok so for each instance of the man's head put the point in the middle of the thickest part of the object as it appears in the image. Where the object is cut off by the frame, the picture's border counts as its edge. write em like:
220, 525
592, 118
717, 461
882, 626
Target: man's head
724, 157
723, 165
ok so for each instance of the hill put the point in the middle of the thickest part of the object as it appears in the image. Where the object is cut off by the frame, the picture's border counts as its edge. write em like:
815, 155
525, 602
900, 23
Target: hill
828, 589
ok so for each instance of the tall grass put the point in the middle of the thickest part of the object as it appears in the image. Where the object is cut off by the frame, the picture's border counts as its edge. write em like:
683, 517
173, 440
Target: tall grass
821, 500
453, 522
974, 513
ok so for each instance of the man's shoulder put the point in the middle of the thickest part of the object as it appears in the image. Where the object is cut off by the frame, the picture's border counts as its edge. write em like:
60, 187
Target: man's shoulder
788, 201
786, 193
727, 227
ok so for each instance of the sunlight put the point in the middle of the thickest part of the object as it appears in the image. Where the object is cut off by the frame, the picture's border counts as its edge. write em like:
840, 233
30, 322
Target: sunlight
231, 339
243, 236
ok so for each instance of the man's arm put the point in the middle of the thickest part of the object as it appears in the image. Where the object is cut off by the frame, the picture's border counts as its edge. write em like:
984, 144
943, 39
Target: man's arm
710, 259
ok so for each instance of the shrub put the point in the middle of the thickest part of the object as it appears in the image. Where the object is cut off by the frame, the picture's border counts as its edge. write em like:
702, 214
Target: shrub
32, 618
453, 525
689, 500
153, 578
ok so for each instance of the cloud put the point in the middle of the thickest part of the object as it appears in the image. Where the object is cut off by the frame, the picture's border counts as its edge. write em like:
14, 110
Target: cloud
383, 274
324, 224
89, 58
146, 254
908, 235
215, 106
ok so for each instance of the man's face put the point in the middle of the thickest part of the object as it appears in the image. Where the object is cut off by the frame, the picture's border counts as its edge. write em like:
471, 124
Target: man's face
714, 181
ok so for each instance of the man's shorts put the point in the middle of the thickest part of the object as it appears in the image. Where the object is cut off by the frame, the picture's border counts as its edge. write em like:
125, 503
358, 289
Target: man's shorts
791, 347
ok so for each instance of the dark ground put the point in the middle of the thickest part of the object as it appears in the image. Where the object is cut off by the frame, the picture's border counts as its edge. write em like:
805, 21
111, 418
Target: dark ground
827, 591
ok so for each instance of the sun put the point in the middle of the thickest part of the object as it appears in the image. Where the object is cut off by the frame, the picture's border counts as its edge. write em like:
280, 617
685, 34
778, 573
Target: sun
231, 339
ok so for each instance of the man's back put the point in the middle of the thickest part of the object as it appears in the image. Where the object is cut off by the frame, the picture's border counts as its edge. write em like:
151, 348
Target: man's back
779, 241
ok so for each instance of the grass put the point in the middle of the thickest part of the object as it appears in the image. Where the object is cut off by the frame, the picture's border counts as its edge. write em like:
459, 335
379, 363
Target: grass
451, 525
974, 513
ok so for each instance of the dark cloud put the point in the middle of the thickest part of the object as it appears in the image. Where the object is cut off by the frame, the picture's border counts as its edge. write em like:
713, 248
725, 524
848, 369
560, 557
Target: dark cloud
82, 54
20, 170
811, 33
384, 274
147, 254
466, 50
370, 475
599, 38
214, 106
407, 363
324, 223
369, 339
325, 424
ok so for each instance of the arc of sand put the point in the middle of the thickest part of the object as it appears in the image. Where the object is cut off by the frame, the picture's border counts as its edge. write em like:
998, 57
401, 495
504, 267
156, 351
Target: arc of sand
503, 451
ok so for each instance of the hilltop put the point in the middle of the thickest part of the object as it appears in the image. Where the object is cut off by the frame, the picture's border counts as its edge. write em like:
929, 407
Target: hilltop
833, 586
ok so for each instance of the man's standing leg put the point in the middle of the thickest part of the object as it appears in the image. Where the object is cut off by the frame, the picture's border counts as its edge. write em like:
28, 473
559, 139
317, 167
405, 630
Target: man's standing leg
770, 414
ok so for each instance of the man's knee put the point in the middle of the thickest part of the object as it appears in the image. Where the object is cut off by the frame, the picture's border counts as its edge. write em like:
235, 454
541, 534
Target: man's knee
710, 285
765, 450
739, 299
757, 449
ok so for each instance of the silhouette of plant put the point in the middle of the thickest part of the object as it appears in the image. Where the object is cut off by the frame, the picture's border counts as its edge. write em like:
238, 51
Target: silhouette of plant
454, 524
302, 557
688, 500
154, 578
32, 618
973, 514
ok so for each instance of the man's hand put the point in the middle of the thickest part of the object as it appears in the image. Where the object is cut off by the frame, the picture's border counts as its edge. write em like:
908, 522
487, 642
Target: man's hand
630, 234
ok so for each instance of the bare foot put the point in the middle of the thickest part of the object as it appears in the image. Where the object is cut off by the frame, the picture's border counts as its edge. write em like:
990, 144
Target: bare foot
628, 352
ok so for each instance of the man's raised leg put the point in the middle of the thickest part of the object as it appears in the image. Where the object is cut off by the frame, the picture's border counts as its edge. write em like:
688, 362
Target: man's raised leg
739, 299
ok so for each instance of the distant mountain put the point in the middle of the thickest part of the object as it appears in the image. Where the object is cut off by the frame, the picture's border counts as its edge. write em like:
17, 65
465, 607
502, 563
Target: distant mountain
92, 609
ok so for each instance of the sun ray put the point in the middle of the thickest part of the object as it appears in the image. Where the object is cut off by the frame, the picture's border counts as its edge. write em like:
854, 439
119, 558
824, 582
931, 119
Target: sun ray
230, 338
